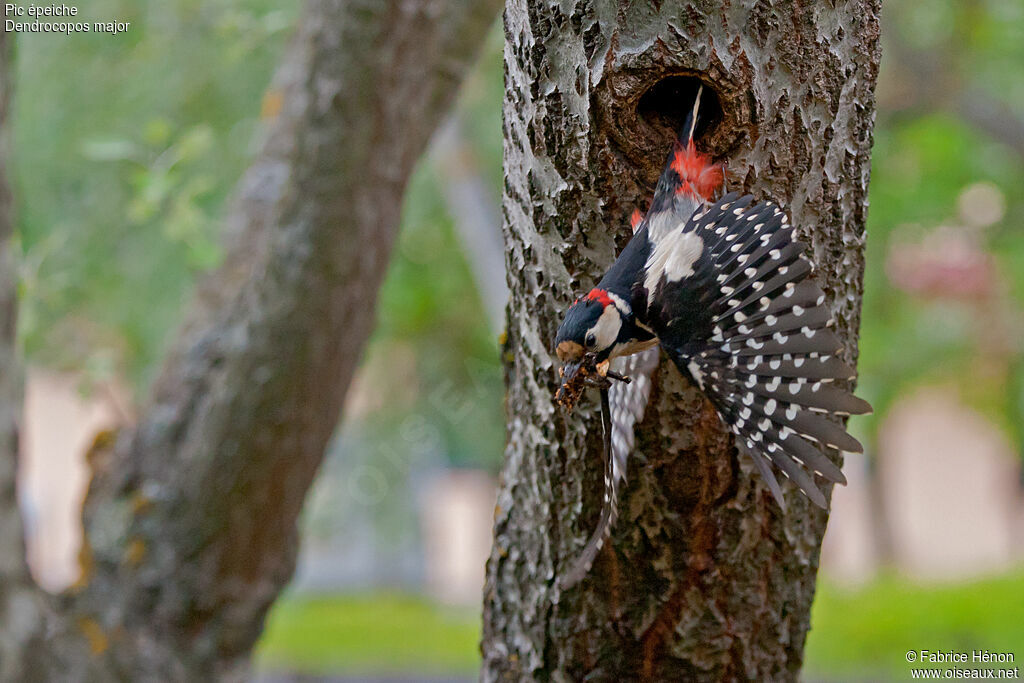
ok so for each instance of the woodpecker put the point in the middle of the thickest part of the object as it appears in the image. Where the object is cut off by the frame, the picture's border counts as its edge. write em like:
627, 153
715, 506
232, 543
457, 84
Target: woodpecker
725, 290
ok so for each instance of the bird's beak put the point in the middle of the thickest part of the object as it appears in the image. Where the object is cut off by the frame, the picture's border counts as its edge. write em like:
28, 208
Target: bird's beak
569, 370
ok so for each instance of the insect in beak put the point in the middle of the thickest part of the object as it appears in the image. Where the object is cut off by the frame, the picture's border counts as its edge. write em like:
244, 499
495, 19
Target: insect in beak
578, 375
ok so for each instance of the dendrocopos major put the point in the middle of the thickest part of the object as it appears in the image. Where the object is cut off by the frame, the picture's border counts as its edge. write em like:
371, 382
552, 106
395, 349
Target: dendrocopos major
726, 291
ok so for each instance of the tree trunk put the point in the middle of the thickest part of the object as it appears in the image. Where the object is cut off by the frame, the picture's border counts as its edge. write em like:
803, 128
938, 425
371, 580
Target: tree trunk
191, 515
705, 578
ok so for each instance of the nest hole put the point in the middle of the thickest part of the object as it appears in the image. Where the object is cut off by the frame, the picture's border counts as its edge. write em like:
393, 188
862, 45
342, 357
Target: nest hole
667, 103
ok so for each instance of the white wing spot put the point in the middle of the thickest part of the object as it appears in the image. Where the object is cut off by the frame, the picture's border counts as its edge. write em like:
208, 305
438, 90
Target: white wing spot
697, 373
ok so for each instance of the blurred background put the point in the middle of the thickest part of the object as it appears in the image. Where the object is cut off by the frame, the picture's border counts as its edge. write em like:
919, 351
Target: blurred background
121, 167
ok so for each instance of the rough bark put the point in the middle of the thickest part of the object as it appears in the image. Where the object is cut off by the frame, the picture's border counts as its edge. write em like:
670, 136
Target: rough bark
705, 578
191, 516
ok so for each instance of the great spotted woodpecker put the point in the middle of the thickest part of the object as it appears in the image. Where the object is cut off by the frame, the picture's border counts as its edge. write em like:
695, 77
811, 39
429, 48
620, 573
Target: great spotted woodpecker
724, 288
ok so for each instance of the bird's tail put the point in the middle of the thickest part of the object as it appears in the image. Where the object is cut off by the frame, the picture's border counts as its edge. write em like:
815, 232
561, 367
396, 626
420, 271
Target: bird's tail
687, 171
690, 125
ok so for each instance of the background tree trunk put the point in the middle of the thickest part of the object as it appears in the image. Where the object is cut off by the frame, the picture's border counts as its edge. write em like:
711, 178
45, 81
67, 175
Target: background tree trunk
705, 578
191, 515
21, 605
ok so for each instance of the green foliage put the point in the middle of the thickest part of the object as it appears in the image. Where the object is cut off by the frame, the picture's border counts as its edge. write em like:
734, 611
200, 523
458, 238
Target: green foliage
124, 150
865, 634
379, 633
430, 309
926, 155
122, 167
430, 312
860, 634
920, 168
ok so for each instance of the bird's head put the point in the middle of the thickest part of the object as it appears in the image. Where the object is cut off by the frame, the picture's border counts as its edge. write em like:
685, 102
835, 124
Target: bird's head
585, 341
591, 326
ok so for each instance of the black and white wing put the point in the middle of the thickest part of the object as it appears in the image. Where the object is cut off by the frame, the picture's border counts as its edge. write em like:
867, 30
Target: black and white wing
740, 315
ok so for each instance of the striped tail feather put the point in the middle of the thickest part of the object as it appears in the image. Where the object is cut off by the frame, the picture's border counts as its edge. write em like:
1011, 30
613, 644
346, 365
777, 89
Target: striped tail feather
609, 507
621, 411
771, 363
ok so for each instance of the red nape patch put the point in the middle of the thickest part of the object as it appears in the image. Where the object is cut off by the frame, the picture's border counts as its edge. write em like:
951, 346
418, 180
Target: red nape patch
636, 219
600, 296
697, 174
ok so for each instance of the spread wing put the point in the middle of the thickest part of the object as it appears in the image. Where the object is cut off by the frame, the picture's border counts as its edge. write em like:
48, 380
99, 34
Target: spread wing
745, 321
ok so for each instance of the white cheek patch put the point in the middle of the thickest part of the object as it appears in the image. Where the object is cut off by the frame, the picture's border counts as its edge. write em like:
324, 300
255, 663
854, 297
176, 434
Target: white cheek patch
673, 258
606, 331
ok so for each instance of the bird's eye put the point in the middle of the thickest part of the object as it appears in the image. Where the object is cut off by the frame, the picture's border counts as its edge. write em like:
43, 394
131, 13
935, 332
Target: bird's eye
591, 340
